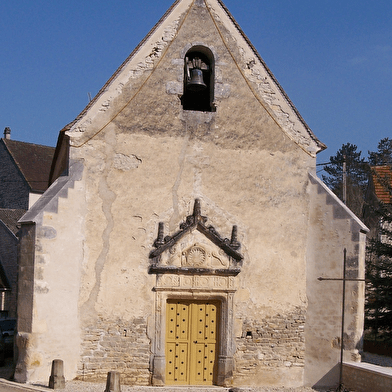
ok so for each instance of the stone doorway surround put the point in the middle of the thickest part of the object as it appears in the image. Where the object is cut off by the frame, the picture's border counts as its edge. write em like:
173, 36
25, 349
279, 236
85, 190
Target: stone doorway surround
195, 264
226, 346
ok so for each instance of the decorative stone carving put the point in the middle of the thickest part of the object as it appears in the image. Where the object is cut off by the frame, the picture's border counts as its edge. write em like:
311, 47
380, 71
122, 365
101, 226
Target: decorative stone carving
196, 262
168, 282
195, 257
210, 254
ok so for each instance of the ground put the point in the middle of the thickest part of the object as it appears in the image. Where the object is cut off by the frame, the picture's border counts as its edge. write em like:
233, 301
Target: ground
6, 372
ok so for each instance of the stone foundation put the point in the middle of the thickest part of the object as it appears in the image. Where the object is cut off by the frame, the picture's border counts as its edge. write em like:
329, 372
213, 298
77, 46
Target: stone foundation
364, 377
116, 346
276, 341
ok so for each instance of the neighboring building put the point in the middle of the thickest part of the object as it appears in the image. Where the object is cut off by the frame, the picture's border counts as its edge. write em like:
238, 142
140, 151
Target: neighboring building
185, 228
24, 176
377, 215
24, 172
379, 192
382, 183
8, 260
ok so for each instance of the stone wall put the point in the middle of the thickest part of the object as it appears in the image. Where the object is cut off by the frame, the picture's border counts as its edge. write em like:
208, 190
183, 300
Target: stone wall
26, 259
49, 273
364, 377
276, 341
332, 228
116, 345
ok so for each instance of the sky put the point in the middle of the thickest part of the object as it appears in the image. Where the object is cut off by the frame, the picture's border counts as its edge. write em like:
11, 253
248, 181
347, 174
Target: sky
333, 58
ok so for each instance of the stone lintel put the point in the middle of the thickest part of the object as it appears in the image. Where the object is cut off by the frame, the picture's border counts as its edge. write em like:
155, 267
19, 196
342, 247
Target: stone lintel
154, 269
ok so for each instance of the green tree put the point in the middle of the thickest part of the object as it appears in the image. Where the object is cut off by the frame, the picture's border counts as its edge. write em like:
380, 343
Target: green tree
378, 309
357, 171
383, 155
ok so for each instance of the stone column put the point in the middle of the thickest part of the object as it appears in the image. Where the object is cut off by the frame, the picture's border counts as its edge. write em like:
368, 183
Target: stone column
159, 361
225, 371
226, 359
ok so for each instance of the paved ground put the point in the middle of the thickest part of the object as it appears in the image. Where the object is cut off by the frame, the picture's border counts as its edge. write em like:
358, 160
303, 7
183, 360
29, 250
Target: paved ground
78, 386
7, 386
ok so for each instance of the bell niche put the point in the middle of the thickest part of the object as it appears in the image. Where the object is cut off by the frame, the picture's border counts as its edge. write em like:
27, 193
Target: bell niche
198, 80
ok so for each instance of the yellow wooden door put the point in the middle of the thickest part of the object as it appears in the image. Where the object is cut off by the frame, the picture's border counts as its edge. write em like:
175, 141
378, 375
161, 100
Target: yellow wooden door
191, 342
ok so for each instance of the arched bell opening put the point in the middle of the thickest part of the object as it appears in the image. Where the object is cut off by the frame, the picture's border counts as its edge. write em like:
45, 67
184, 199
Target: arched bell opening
198, 80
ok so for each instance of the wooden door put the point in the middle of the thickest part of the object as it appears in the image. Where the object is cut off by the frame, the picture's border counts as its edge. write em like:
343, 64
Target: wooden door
191, 342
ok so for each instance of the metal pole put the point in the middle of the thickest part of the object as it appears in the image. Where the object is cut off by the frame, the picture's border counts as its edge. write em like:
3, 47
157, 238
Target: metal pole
344, 180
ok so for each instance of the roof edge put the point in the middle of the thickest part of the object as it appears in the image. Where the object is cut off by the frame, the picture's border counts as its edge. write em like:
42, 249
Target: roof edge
8, 229
123, 64
17, 164
320, 144
286, 116
60, 155
363, 227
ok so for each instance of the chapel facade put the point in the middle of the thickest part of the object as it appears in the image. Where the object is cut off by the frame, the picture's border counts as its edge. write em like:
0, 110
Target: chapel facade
185, 227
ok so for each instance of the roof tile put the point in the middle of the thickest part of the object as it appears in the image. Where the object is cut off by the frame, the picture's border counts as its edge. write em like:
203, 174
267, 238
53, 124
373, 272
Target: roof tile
34, 162
382, 180
10, 218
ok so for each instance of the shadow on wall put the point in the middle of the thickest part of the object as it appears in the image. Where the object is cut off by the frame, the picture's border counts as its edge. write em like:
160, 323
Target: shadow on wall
331, 379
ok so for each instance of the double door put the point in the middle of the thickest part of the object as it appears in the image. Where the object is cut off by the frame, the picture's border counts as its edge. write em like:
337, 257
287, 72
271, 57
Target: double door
191, 342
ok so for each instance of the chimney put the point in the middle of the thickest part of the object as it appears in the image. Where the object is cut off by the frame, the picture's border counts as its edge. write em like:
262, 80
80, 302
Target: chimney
7, 133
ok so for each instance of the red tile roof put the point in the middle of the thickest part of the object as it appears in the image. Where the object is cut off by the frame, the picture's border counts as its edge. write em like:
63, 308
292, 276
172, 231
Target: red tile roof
382, 180
34, 162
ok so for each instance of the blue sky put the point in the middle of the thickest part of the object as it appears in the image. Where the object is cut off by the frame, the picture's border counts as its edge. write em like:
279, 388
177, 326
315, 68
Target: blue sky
333, 59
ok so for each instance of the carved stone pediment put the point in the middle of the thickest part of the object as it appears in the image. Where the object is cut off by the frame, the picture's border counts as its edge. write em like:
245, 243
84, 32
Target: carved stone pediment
196, 249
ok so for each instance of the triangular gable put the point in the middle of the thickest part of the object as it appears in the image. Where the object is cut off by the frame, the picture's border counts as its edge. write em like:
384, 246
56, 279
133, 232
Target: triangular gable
153, 48
196, 223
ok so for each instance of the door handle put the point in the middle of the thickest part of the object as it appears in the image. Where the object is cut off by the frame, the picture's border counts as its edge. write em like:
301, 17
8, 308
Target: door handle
195, 341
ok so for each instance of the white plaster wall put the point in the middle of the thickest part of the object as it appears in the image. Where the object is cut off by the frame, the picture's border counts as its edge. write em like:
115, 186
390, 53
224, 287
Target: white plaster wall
33, 197
157, 180
55, 327
332, 228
